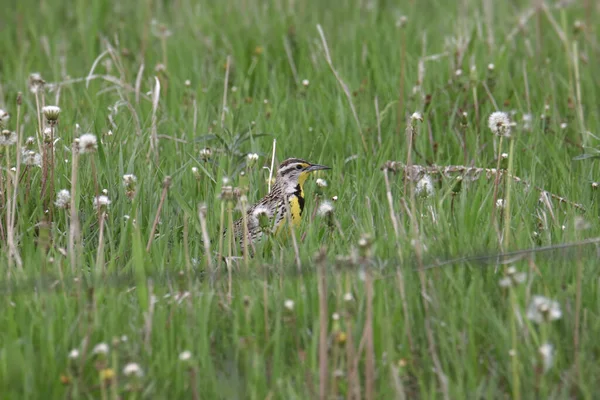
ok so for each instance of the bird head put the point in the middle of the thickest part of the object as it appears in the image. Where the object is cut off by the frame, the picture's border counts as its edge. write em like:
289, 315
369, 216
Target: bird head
294, 171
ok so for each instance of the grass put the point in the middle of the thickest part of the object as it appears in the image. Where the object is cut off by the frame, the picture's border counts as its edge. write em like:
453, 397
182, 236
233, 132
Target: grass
355, 315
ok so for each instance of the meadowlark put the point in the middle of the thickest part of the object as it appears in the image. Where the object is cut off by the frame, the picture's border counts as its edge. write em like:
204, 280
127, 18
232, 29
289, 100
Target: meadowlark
270, 211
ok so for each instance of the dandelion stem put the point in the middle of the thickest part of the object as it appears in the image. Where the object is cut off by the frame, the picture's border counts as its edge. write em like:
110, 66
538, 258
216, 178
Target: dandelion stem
509, 182
496, 183
74, 223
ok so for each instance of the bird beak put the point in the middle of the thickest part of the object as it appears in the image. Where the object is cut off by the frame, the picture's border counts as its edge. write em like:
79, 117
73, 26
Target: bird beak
316, 167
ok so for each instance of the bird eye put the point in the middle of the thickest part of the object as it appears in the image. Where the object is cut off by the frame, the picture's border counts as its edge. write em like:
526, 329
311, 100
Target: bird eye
299, 166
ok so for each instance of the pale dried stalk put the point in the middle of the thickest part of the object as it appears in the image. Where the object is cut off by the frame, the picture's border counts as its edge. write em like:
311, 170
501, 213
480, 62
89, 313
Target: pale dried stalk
148, 315
94, 64
154, 123
163, 196
205, 236
272, 164
100, 251
12, 206
225, 86
343, 85
74, 225
400, 274
378, 120
578, 90
138, 83
323, 319
370, 348
288, 52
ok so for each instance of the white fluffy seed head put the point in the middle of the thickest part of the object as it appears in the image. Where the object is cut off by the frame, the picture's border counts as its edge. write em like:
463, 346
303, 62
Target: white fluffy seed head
63, 199
4, 117
205, 153
51, 112
100, 349
542, 309
88, 143
129, 180
185, 355
416, 116
325, 209
289, 304
74, 354
133, 369
499, 123
101, 201
424, 187
8, 138
321, 182
31, 159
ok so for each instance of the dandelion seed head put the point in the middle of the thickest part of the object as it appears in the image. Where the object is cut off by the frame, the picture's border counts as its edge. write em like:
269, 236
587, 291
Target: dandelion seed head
321, 182
100, 349
63, 199
88, 143
325, 209
499, 123
289, 304
4, 117
73, 354
101, 201
133, 369
31, 159
8, 138
348, 297
51, 112
563, 125
335, 316
401, 21
491, 67
35, 82
185, 355
512, 278
416, 116
542, 309
424, 187
305, 82
500, 203
205, 153
129, 180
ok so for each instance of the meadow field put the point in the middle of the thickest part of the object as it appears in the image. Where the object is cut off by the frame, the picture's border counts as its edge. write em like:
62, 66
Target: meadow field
451, 252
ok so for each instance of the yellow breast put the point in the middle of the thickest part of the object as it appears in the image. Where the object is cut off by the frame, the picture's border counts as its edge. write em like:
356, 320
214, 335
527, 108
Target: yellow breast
295, 210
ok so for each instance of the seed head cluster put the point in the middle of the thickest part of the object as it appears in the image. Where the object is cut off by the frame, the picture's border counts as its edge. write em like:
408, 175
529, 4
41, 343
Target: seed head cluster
88, 143
499, 123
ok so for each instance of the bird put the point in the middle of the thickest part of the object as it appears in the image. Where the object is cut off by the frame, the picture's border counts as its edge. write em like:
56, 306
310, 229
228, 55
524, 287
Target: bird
270, 212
